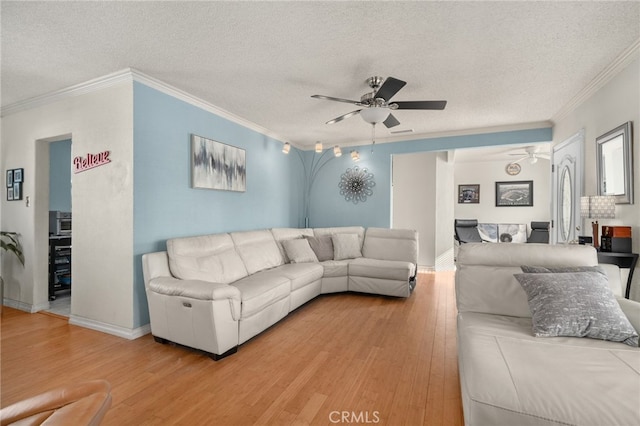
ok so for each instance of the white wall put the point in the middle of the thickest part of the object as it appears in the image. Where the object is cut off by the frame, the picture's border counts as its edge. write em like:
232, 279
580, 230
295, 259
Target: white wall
102, 268
486, 174
617, 102
423, 200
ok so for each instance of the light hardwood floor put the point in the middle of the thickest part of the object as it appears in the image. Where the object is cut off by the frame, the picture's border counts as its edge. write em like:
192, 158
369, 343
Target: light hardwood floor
344, 358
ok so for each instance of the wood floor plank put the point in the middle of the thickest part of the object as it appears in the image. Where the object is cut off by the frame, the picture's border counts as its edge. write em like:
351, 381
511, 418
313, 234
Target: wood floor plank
372, 359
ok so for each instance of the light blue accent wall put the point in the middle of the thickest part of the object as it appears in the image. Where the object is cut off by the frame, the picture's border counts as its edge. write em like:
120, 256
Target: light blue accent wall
329, 208
60, 175
165, 205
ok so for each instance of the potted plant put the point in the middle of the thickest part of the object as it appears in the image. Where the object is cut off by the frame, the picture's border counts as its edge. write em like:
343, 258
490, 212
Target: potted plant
9, 242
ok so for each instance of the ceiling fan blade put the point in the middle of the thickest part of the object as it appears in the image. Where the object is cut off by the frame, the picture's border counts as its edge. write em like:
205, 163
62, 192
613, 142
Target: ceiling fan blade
390, 87
520, 159
391, 121
342, 117
421, 105
330, 98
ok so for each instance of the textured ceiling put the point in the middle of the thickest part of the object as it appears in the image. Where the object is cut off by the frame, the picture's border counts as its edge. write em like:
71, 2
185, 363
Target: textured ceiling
497, 63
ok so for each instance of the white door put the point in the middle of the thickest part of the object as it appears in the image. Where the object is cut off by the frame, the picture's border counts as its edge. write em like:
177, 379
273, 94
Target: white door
567, 176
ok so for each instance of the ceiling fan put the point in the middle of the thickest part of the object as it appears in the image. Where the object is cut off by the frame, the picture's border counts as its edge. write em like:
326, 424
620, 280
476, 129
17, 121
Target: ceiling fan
376, 104
532, 153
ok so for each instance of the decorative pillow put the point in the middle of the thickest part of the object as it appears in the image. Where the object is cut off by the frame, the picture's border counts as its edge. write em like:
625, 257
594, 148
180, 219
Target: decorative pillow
346, 246
560, 269
299, 251
577, 304
322, 247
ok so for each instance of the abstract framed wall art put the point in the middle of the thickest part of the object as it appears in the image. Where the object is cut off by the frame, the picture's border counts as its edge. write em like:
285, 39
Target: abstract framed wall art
215, 165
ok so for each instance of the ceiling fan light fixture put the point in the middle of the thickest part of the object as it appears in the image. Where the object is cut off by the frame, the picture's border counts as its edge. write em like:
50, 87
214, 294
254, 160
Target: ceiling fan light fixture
374, 115
533, 160
318, 147
286, 148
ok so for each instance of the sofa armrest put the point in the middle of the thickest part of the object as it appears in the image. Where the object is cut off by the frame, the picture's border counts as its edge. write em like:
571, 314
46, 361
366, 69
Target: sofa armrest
631, 309
195, 289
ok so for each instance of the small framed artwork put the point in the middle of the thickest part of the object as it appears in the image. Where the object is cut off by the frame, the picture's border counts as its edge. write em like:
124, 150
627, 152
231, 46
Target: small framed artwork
10, 194
17, 175
514, 193
17, 191
10, 178
468, 194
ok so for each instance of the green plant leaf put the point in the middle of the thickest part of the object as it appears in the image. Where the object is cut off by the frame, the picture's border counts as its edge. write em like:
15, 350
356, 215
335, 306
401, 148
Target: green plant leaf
9, 242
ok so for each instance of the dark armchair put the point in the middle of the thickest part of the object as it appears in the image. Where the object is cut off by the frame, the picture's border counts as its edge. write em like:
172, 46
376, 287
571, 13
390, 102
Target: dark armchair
539, 233
466, 231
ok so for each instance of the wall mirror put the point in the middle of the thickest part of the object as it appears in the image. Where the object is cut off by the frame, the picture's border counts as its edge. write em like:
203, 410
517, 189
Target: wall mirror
615, 164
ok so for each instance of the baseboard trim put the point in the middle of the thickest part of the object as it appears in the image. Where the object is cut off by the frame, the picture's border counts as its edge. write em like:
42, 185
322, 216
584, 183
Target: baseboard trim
26, 307
126, 333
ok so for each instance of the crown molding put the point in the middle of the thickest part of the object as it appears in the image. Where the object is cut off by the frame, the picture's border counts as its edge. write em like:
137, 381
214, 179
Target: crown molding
180, 94
69, 92
621, 62
131, 75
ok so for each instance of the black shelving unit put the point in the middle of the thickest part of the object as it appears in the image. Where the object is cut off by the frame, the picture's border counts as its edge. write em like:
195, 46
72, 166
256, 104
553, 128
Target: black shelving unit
59, 264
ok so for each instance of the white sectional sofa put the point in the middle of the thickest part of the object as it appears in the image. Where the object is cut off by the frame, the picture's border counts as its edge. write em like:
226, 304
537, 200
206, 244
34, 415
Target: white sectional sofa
510, 377
215, 292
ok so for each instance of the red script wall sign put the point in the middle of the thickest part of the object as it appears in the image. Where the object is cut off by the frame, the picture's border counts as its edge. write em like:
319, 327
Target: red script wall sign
81, 164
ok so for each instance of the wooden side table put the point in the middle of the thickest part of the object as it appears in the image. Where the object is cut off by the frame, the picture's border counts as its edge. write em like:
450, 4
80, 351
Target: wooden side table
623, 260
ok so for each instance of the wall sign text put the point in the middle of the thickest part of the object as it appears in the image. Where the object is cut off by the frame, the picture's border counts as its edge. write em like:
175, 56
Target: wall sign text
81, 164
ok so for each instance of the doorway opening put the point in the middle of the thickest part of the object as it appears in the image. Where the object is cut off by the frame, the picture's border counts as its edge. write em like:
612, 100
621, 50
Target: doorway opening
55, 231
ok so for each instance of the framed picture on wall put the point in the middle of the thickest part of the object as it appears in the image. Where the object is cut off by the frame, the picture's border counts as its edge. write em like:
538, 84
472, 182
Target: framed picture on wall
514, 193
17, 175
10, 178
468, 194
10, 194
17, 191
215, 165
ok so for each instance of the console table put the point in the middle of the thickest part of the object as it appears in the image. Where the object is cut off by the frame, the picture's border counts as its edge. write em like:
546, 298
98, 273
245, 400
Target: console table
623, 260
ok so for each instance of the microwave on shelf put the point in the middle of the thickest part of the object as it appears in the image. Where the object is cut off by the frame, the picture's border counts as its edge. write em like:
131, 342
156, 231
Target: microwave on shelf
59, 223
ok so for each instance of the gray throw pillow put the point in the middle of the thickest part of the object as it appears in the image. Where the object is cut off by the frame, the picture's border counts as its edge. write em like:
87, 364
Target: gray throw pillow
559, 269
322, 247
346, 246
577, 304
299, 251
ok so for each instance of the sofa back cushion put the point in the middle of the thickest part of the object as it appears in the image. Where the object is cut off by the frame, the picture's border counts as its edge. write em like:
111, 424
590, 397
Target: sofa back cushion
258, 250
318, 232
484, 273
283, 234
208, 257
391, 244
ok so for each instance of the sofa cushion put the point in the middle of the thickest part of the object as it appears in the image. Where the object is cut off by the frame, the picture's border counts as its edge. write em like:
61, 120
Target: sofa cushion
261, 290
391, 244
508, 376
318, 232
299, 251
346, 246
383, 269
258, 250
322, 246
282, 234
336, 268
484, 273
578, 304
210, 258
301, 274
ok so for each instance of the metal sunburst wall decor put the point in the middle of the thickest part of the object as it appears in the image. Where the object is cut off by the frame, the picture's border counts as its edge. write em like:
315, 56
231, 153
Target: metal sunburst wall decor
356, 184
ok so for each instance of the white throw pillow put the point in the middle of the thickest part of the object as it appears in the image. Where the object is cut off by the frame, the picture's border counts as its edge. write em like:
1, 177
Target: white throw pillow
346, 246
299, 251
